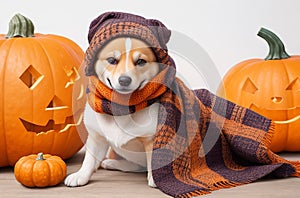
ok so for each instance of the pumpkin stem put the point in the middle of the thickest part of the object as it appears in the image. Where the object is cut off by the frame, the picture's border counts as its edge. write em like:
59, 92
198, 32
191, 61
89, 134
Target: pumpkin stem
20, 26
277, 49
40, 156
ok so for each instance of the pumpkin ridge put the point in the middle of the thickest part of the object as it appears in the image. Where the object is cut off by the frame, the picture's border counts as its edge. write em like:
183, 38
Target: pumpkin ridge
52, 79
17, 168
31, 162
4, 131
49, 172
59, 41
36, 43
291, 98
66, 48
288, 77
51, 176
58, 160
62, 43
46, 173
57, 174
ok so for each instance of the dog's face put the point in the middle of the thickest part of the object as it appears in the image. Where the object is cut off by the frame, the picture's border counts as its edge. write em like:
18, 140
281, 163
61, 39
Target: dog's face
126, 65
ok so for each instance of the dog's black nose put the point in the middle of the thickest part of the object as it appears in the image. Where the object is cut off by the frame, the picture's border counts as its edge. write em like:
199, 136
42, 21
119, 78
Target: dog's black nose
124, 80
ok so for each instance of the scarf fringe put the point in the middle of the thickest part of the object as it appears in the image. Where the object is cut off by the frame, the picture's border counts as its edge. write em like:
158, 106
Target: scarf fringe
216, 186
268, 139
225, 184
193, 194
297, 167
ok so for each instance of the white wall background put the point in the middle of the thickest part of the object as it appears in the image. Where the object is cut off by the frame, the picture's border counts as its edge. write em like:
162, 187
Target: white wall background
226, 29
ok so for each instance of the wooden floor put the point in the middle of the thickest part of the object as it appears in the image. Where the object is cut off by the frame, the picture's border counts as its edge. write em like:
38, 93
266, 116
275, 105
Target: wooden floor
115, 184
104, 183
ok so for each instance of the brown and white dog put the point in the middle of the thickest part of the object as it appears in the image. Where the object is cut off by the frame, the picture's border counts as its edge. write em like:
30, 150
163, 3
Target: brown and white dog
125, 65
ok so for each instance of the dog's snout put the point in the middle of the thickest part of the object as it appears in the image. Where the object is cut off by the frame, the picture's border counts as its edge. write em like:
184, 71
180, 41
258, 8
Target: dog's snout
124, 80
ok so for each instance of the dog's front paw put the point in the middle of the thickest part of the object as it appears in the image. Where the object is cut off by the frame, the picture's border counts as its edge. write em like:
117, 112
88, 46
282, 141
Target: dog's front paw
76, 179
151, 181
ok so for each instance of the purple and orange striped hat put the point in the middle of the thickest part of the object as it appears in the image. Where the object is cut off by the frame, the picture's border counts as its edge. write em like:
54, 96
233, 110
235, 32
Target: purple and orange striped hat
111, 25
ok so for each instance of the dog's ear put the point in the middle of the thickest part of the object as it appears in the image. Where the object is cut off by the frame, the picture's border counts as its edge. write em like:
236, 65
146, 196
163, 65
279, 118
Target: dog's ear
99, 21
161, 30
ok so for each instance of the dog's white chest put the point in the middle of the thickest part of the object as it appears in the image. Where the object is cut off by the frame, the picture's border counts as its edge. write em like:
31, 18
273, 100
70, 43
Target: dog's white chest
141, 123
120, 130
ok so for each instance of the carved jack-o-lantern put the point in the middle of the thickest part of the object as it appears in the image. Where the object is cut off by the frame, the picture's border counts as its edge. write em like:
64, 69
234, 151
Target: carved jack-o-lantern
270, 87
38, 74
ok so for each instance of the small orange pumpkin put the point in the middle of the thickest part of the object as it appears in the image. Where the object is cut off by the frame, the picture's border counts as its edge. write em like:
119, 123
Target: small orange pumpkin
39, 73
40, 170
271, 87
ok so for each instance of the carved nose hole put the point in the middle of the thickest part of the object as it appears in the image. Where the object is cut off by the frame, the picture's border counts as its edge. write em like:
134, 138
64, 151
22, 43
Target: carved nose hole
56, 104
124, 80
277, 99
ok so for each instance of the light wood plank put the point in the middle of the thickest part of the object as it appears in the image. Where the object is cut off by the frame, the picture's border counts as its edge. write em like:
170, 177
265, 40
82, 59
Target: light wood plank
104, 183
116, 184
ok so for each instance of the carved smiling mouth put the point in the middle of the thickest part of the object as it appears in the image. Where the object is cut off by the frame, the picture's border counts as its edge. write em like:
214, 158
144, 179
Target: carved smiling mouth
291, 115
51, 126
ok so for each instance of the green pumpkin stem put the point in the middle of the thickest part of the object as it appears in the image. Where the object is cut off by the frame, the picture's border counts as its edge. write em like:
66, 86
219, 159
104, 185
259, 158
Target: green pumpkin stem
20, 26
40, 156
276, 47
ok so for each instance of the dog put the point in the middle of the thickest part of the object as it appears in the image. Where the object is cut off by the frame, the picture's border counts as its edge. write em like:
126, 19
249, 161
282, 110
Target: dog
125, 64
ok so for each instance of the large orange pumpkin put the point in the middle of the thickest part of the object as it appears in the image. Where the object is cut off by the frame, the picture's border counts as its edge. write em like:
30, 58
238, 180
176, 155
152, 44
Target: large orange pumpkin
38, 74
271, 87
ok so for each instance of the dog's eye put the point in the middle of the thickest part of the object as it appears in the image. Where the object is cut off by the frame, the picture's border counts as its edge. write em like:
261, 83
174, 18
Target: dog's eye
141, 62
112, 61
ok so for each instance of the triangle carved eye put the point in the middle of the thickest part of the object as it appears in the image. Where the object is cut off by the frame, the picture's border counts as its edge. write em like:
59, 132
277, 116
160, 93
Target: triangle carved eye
294, 85
249, 86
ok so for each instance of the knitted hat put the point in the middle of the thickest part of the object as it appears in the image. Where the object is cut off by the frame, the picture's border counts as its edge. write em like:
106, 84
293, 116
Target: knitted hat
111, 25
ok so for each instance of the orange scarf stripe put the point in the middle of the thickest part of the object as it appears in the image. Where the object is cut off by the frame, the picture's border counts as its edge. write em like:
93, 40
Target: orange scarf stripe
152, 90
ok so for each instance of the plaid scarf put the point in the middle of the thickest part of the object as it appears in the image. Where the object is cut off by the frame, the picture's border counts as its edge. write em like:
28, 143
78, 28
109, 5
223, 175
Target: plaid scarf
203, 142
